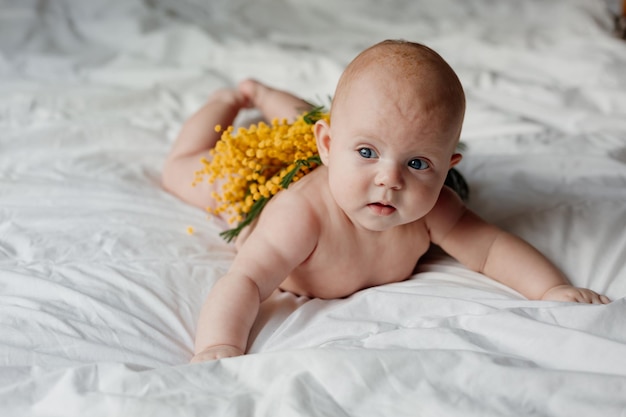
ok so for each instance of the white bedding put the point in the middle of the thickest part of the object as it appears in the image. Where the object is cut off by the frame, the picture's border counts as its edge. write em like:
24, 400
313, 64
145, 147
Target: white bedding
100, 284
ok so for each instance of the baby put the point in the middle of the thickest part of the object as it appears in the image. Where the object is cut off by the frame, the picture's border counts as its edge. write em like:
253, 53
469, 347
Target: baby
367, 215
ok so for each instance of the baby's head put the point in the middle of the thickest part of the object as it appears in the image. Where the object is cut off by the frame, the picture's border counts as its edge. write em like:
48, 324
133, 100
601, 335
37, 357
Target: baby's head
395, 123
412, 75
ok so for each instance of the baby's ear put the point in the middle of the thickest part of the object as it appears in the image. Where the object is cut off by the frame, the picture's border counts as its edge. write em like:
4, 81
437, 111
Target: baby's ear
322, 136
455, 159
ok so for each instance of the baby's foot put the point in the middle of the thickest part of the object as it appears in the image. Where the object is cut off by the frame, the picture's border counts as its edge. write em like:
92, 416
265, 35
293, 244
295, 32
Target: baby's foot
255, 92
233, 98
271, 102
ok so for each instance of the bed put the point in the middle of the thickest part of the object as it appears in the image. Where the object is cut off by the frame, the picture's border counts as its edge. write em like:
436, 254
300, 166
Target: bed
101, 282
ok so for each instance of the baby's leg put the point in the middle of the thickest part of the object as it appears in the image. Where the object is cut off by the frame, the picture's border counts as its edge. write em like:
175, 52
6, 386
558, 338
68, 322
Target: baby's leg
273, 103
196, 139
198, 135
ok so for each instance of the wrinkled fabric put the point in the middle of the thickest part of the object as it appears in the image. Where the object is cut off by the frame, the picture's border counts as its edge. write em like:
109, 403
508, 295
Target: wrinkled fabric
101, 285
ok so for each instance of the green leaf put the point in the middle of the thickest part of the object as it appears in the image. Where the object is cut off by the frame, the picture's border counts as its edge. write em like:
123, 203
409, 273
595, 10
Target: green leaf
314, 114
288, 178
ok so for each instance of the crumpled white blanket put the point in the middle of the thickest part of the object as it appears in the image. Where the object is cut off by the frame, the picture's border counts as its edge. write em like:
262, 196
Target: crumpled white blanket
100, 284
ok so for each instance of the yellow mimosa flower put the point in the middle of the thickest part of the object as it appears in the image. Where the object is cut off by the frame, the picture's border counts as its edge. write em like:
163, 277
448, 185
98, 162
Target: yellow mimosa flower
257, 163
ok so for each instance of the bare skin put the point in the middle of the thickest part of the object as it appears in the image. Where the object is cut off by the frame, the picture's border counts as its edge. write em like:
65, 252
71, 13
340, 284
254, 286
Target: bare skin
392, 139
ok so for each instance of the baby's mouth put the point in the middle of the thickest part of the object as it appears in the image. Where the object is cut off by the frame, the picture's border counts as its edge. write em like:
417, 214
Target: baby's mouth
382, 209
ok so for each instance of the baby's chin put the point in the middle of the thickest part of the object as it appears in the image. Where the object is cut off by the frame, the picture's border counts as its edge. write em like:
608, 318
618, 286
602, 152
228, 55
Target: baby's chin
380, 223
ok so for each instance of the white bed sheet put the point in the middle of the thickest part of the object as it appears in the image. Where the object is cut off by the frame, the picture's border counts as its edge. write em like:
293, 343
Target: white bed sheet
100, 285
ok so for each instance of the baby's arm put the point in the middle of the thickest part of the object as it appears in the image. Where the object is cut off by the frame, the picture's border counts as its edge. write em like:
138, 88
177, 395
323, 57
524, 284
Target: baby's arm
284, 237
500, 255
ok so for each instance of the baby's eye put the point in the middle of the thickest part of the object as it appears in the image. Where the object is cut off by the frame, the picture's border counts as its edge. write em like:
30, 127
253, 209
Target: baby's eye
418, 164
367, 153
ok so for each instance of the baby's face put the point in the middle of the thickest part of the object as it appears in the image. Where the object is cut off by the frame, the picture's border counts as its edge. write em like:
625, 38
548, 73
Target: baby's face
389, 153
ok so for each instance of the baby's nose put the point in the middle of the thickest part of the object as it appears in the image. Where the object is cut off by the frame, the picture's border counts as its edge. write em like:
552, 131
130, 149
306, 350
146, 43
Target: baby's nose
390, 176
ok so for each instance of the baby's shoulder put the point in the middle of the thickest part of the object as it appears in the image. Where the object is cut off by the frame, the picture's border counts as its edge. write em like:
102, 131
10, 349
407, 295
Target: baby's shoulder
307, 193
291, 211
288, 201
292, 207
448, 201
447, 211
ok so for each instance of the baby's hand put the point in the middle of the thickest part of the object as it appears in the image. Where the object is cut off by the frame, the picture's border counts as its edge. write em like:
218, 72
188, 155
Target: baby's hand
567, 292
216, 352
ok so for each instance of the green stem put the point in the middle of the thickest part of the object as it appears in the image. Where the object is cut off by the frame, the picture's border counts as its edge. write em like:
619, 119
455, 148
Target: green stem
254, 212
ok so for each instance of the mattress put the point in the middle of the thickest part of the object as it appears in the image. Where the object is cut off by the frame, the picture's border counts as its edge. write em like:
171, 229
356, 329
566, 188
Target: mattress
101, 284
